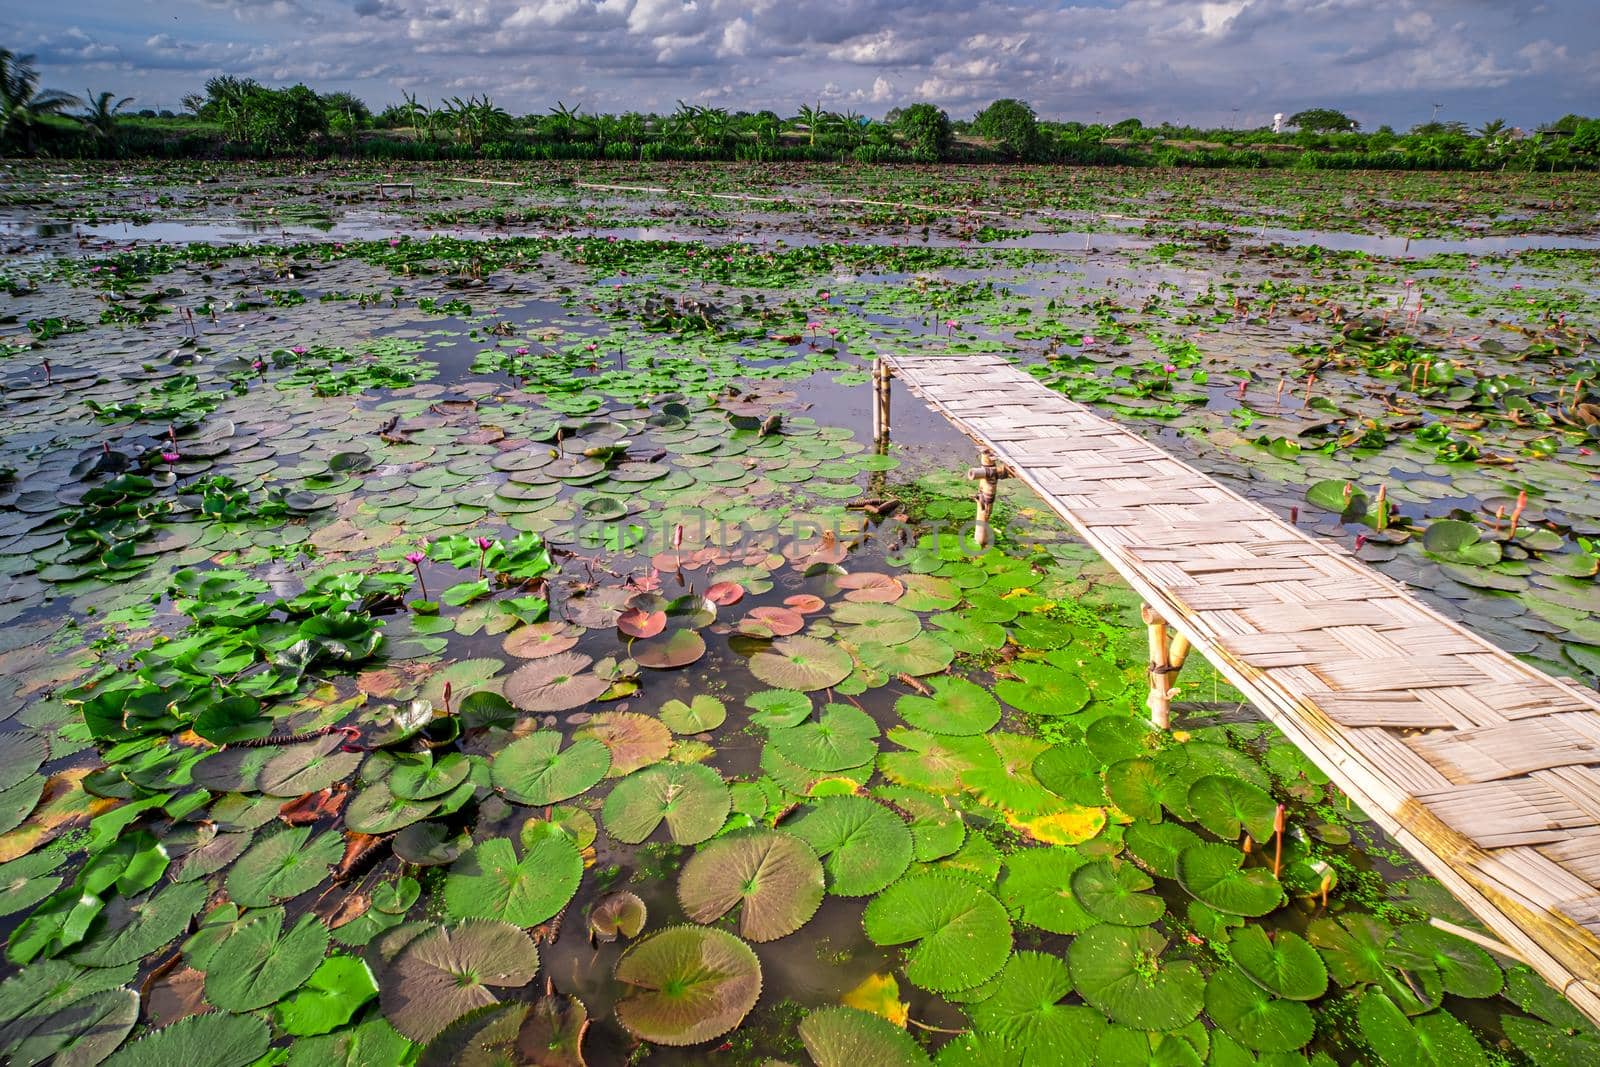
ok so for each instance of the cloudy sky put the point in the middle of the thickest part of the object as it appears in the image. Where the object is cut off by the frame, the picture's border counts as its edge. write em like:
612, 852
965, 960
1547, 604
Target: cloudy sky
1213, 62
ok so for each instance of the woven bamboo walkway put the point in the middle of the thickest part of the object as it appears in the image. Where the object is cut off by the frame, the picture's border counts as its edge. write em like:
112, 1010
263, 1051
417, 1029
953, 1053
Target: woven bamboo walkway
1485, 769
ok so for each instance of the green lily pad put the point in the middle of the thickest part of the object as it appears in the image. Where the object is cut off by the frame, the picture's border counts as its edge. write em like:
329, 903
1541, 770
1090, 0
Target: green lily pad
210, 1040
848, 1037
1025, 1011
555, 683
283, 865
620, 914
259, 963
1119, 970
937, 829
865, 845
536, 770
1157, 845
1036, 887
841, 736
1255, 1018
700, 714
881, 624
333, 993
132, 928
1213, 875
1284, 964
691, 799
1042, 689
426, 778
959, 934
1115, 892
81, 1033
1134, 785
1466, 969
777, 708
1224, 805
957, 706
489, 882
1436, 1039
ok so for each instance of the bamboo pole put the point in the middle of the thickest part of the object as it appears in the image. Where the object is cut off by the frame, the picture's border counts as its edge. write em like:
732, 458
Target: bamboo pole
880, 403
1478, 939
1166, 657
987, 475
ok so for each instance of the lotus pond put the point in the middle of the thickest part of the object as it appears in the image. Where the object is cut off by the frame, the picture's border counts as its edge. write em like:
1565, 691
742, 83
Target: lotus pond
475, 627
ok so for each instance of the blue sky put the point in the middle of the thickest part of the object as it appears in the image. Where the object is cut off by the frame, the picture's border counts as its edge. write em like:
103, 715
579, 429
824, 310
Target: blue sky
1383, 61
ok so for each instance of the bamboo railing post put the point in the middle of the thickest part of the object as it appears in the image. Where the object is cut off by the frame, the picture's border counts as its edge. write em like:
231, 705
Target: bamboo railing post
1166, 659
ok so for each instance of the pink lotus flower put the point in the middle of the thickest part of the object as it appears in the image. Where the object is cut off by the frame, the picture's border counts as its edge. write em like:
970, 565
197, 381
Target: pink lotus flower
522, 350
416, 558
1088, 339
298, 350
1168, 368
170, 457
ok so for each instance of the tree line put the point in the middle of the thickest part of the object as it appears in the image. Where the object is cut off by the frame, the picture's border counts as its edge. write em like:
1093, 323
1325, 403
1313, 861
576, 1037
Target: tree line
240, 117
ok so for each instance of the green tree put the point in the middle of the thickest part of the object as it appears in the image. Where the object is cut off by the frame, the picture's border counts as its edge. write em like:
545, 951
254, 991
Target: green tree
926, 129
282, 120
22, 104
1585, 138
102, 112
1323, 120
1011, 125
226, 102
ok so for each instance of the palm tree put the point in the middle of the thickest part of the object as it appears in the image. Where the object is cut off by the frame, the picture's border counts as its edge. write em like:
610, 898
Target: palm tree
476, 120
563, 122
853, 125
103, 114
416, 112
1493, 130
814, 118
22, 105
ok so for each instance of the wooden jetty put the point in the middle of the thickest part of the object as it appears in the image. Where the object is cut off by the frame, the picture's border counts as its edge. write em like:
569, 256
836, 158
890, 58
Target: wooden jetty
1483, 768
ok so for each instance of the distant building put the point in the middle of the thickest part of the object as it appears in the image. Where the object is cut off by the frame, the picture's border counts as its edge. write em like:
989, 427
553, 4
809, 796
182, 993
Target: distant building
1277, 122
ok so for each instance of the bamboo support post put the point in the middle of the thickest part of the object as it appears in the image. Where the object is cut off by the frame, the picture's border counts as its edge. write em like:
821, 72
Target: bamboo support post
1167, 654
880, 403
987, 474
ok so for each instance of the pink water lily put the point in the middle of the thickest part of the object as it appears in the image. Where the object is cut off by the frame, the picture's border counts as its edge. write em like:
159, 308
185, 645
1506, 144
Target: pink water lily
170, 457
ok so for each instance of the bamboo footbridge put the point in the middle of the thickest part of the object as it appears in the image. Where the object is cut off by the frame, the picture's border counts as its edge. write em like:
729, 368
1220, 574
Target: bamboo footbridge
1483, 768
